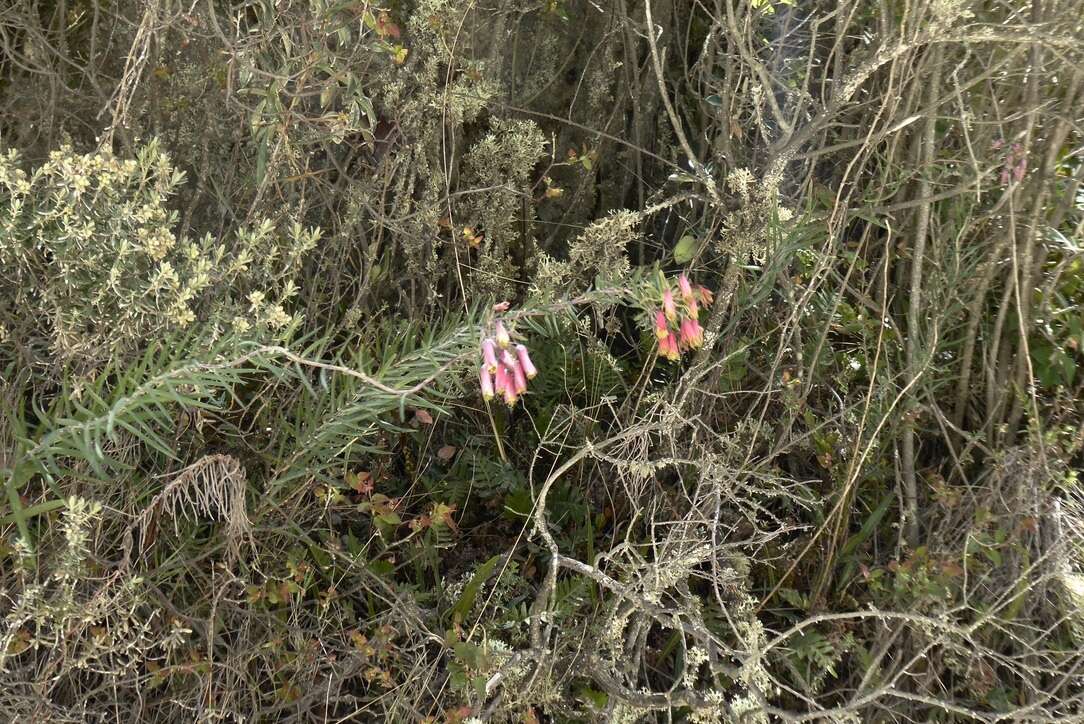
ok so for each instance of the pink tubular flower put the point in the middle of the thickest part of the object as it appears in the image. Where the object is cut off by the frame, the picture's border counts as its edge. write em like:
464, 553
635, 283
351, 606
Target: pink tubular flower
692, 334
486, 378
489, 354
520, 379
686, 288
525, 361
668, 348
673, 351
508, 359
694, 310
510, 396
706, 297
668, 305
503, 382
503, 339
1020, 169
661, 330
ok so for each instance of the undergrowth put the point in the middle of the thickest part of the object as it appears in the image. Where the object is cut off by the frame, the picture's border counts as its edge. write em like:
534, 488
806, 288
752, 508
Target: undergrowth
449, 361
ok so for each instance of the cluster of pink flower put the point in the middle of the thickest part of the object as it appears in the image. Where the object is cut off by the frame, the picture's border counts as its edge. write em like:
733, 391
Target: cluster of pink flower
679, 330
505, 367
1016, 162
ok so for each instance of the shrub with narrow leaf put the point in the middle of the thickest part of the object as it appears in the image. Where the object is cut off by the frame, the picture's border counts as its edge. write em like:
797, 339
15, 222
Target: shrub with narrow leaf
94, 266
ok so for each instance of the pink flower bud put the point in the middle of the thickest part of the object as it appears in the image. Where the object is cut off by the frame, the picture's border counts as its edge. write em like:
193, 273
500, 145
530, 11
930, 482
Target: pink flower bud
486, 378
489, 354
508, 359
520, 379
692, 334
503, 382
668, 305
503, 339
661, 330
525, 362
686, 288
694, 310
706, 297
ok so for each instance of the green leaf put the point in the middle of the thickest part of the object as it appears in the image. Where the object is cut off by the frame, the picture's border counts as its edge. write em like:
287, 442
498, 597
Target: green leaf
18, 513
381, 567
597, 699
466, 599
685, 249
469, 654
389, 518
33, 511
261, 155
794, 598
869, 525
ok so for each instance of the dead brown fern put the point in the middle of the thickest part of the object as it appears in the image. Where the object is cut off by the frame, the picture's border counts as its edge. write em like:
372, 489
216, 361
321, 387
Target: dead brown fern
213, 488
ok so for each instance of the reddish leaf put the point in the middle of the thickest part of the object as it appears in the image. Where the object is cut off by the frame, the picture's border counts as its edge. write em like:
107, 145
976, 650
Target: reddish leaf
952, 569
361, 482
456, 716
